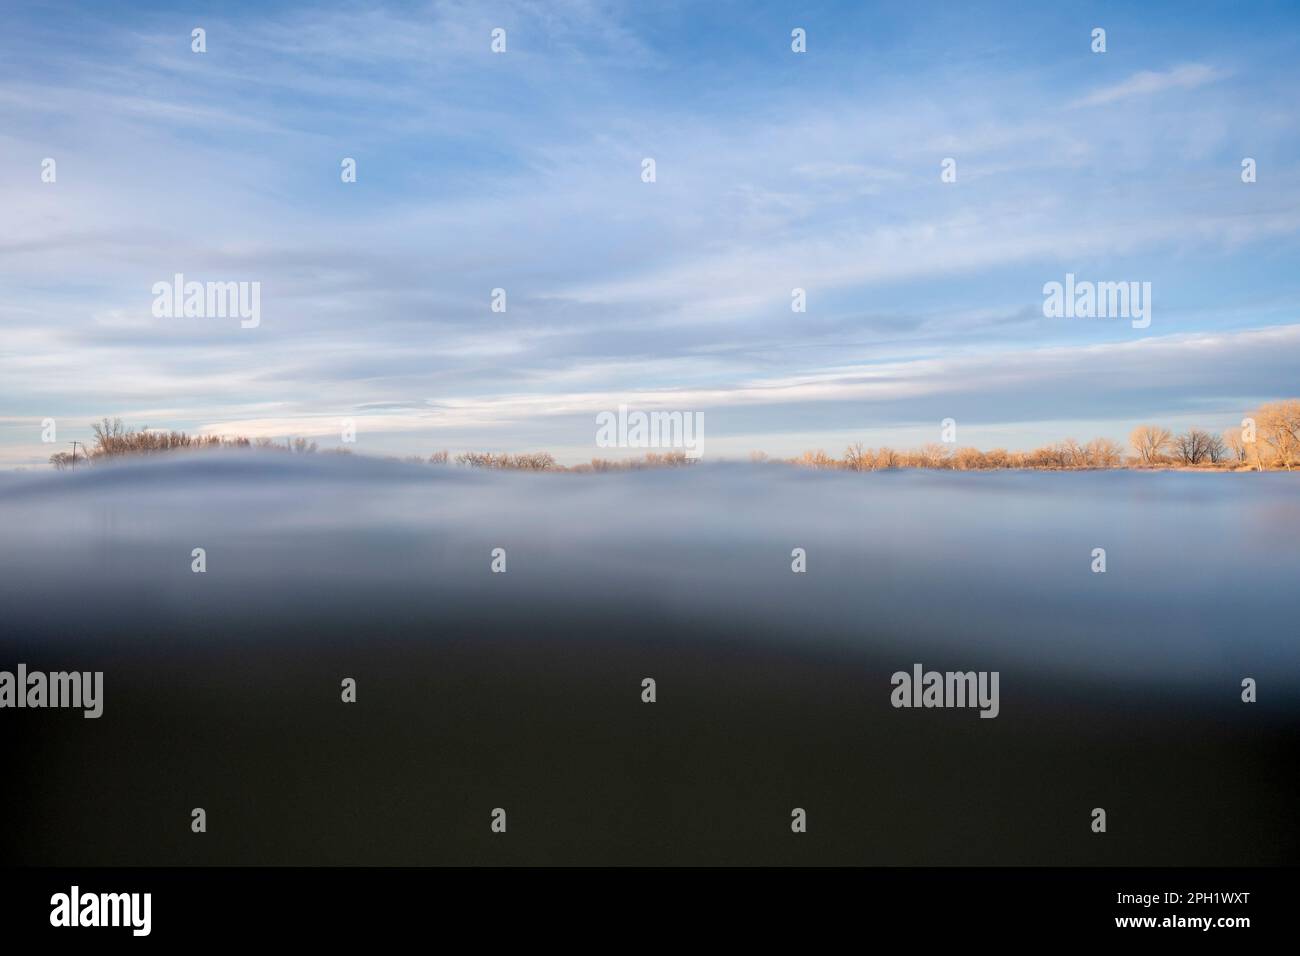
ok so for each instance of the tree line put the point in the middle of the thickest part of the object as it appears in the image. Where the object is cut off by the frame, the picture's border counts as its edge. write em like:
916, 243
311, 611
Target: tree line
113, 439
1267, 439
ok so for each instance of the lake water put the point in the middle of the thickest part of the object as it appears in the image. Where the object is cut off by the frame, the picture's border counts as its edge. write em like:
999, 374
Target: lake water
522, 689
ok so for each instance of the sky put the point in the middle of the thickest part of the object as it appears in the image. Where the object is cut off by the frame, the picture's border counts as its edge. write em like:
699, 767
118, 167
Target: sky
522, 171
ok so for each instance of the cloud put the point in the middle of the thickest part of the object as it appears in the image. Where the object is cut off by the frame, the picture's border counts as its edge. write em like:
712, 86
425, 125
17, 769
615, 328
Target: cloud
1147, 376
1189, 76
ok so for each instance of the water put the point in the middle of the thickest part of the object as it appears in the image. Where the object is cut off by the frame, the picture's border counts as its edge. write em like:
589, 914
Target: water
522, 690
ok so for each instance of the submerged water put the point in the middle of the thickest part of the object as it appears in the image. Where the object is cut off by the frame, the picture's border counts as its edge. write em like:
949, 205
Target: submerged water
522, 690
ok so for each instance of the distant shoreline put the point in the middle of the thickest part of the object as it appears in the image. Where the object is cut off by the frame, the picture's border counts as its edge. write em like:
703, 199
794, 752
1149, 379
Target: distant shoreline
1268, 440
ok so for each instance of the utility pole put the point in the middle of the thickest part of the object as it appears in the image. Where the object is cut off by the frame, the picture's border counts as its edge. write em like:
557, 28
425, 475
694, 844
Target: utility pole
74, 451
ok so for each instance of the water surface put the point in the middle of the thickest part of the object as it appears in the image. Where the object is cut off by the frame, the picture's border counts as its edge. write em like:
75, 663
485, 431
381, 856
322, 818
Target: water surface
522, 690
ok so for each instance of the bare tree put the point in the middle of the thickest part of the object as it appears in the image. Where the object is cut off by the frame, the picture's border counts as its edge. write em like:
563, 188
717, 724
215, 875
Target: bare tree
1278, 429
1071, 454
816, 459
1215, 449
111, 436
1150, 442
1233, 443
1192, 447
857, 458
935, 455
997, 458
537, 461
968, 459
1104, 453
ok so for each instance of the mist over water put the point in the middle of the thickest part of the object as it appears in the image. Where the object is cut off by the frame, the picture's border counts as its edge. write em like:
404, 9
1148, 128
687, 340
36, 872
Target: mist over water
522, 690
1202, 569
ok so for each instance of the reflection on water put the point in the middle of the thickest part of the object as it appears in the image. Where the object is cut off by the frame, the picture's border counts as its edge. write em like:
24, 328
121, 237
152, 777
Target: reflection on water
478, 687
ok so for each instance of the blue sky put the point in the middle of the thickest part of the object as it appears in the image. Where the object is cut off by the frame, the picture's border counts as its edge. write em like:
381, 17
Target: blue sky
522, 171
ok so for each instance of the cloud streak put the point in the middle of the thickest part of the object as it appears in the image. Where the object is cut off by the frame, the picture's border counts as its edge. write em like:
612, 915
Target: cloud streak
1187, 76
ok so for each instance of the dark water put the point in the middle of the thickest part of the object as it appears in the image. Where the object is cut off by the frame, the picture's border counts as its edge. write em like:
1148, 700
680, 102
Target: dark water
523, 690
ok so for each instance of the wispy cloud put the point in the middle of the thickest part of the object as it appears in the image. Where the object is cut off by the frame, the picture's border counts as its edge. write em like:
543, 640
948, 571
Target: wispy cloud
1188, 76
